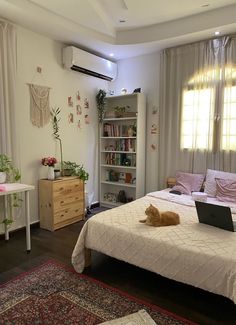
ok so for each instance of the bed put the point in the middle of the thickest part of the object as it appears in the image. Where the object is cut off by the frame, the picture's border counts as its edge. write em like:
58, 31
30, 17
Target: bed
191, 253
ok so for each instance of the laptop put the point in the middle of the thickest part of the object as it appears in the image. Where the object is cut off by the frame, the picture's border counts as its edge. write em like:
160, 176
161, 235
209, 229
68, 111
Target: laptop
215, 215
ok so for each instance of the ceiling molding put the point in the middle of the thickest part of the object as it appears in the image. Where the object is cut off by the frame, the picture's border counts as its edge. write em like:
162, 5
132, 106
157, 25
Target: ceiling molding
215, 19
60, 26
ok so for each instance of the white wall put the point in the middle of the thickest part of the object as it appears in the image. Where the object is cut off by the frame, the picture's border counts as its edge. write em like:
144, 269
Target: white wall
35, 143
142, 71
35, 50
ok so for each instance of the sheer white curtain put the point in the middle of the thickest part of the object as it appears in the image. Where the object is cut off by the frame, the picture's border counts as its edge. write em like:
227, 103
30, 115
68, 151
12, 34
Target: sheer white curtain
198, 108
8, 129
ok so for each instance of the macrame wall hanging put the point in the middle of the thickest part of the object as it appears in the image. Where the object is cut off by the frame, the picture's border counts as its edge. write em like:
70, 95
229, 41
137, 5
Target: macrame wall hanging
39, 105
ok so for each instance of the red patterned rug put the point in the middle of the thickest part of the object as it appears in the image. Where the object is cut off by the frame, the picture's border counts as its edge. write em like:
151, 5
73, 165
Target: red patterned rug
55, 294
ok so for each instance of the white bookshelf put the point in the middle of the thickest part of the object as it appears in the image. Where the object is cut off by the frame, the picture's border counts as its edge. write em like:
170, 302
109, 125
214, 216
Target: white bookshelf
122, 154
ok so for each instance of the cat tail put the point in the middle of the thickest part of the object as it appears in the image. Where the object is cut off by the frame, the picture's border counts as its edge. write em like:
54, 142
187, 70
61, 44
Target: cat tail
143, 221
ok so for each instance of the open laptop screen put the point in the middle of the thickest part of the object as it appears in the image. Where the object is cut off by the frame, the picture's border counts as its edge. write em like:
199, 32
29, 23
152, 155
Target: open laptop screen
215, 215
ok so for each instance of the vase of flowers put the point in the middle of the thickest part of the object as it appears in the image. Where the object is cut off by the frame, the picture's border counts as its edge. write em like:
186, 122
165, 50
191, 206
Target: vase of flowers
50, 162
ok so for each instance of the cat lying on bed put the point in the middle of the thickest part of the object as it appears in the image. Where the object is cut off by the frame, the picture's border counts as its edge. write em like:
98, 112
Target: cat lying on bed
159, 219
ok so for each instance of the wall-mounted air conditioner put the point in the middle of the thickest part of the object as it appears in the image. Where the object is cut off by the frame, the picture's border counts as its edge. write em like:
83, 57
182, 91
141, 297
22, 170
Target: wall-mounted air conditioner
85, 62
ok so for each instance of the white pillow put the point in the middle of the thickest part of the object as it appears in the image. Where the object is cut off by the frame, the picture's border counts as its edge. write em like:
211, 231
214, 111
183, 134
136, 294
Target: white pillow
210, 184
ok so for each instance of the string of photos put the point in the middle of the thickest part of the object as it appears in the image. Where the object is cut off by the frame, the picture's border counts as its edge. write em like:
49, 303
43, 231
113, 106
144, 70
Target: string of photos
81, 110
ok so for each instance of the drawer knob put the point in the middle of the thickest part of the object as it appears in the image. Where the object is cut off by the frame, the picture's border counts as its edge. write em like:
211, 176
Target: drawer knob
62, 202
62, 215
61, 188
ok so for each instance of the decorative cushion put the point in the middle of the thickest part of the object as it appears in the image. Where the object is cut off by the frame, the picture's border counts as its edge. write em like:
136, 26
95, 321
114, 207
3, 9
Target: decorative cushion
187, 183
210, 184
226, 190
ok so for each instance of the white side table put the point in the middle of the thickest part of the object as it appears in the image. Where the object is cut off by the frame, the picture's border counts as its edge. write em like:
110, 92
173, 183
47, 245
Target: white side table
12, 188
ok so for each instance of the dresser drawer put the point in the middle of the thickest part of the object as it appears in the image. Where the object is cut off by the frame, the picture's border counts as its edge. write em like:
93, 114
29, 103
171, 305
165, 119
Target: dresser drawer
67, 188
61, 202
73, 211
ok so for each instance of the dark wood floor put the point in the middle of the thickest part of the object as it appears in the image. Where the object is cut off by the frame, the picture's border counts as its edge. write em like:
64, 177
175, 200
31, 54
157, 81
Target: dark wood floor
192, 303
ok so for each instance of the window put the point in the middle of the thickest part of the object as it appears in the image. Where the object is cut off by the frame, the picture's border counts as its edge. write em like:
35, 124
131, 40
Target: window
229, 119
208, 117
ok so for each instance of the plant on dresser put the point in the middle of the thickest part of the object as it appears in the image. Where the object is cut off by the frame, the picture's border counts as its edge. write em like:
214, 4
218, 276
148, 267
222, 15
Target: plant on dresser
122, 149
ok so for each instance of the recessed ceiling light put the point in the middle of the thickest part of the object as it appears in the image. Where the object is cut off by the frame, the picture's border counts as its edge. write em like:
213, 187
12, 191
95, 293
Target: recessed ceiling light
217, 33
205, 5
122, 20
111, 54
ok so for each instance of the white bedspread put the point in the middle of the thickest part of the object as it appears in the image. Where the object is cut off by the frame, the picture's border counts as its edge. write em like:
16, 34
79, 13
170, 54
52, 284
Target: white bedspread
192, 253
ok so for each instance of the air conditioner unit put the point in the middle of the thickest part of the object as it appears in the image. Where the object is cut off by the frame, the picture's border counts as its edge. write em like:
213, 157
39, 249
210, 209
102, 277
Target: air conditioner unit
85, 62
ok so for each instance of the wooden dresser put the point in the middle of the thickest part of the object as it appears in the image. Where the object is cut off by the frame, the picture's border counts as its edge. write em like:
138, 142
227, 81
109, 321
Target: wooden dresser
61, 202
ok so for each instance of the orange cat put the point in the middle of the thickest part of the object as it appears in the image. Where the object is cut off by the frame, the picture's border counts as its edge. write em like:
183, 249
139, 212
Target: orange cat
159, 219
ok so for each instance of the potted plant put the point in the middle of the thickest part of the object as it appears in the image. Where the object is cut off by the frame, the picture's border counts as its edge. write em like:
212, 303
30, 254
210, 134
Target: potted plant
69, 168
10, 174
73, 169
101, 101
120, 110
81, 173
7, 170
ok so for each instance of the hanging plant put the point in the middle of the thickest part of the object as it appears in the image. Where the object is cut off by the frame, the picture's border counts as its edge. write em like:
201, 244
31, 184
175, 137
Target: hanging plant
55, 125
101, 101
12, 176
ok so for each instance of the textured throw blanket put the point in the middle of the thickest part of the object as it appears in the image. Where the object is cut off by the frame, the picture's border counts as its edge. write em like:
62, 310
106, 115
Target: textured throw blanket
192, 253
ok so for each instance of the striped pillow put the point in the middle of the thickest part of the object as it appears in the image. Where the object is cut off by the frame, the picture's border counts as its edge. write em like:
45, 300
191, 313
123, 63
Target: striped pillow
225, 190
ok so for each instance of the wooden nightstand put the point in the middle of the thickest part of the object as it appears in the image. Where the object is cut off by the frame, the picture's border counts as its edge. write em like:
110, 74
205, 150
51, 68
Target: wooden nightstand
61, 202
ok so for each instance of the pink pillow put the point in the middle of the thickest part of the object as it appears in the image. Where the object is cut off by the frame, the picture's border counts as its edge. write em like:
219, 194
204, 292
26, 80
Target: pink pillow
187, 183
225, 190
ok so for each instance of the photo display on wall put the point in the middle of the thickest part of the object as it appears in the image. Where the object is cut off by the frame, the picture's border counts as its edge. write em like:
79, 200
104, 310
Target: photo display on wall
74, 117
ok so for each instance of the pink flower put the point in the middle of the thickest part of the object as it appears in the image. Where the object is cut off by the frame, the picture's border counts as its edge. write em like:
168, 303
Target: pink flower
49, 161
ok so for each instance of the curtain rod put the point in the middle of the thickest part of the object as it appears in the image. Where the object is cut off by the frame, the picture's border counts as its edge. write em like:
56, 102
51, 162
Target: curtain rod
202, 40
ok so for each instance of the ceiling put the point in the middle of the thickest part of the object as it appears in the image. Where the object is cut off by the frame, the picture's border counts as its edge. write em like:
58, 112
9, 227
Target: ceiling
124, 28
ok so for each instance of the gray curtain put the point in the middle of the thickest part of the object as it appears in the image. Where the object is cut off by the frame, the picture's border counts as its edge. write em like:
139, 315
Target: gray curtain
185, 67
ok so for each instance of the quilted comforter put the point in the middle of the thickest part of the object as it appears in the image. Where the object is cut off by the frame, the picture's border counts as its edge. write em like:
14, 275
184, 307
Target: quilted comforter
192, 253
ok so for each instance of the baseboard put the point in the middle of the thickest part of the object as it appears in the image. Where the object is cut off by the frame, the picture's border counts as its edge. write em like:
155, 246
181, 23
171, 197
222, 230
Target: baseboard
95, 205
34, 224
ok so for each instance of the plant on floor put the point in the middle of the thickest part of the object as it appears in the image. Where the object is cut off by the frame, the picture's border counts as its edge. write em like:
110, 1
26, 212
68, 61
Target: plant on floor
55, 125
12, 175
101, 101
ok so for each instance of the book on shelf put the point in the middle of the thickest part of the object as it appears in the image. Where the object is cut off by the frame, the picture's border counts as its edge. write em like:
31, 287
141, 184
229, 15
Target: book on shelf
117, 130
125, 145
112, 130
120, 159
120, 177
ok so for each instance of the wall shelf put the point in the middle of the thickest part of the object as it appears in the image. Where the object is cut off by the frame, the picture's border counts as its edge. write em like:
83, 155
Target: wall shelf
120, 119
119, 184
115, 151
117, 137
117, 166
